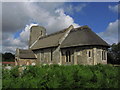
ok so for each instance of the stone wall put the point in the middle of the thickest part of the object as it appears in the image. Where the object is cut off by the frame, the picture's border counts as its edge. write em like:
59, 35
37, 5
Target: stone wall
48, 56
99, 56
79, 55
26, 62
89, 55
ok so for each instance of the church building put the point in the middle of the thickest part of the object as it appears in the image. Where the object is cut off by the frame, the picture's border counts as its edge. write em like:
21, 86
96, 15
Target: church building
69, 46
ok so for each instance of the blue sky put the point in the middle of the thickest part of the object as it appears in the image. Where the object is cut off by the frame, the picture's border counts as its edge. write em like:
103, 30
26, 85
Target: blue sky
101, 17
96, 15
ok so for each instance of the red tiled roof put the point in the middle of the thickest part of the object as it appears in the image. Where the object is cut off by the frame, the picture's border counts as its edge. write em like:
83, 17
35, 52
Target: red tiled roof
7, 62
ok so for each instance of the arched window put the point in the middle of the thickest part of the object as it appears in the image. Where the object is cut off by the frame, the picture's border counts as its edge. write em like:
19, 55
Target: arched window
103, 55
68, 58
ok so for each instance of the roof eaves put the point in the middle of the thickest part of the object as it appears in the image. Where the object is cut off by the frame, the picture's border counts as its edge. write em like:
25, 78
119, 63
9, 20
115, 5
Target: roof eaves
84, 45
45, 47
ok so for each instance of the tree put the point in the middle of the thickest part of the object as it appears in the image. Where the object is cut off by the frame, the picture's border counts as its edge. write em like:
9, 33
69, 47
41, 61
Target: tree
8, 57
114, 54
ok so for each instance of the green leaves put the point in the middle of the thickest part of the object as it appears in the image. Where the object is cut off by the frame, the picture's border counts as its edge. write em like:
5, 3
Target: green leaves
55, 76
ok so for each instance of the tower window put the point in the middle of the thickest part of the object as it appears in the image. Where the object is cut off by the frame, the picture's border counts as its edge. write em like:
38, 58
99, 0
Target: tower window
41, 32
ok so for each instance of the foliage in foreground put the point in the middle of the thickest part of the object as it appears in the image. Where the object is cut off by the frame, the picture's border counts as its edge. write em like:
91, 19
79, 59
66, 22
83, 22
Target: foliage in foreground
114, 54
54, 76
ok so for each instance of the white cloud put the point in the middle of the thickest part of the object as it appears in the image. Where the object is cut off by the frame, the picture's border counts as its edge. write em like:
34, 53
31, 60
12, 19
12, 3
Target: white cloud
70, 9
111, 33
24, 35
11, 43
60, 22
114, 8
49, 18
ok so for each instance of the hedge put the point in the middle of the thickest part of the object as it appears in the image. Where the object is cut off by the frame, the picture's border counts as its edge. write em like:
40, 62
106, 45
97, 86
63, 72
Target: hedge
55, 76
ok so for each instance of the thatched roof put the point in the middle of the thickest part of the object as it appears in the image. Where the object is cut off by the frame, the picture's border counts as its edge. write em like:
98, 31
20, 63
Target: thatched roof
77, 37
83, 36
51, 40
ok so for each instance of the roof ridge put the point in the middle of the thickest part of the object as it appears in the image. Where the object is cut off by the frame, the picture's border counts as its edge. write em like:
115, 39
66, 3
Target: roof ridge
65, 34
26, 49
83, 27
61, 31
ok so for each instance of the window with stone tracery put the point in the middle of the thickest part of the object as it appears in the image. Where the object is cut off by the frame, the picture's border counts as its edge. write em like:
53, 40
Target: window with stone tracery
68, 58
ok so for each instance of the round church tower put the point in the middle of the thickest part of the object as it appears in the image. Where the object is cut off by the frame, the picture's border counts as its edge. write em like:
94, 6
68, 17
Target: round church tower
36, 32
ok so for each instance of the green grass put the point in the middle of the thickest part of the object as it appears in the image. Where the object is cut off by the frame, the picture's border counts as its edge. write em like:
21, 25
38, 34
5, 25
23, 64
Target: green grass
55, 76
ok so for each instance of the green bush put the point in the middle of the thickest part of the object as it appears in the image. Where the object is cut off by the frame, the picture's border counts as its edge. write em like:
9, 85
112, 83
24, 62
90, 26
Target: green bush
55, 76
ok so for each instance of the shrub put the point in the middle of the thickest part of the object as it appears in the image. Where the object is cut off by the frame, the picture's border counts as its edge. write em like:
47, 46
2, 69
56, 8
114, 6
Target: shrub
55, 76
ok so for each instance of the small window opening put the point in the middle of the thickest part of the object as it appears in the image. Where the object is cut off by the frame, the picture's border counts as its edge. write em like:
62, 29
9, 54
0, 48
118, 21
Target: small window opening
51, 54
41, 32
89, 54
